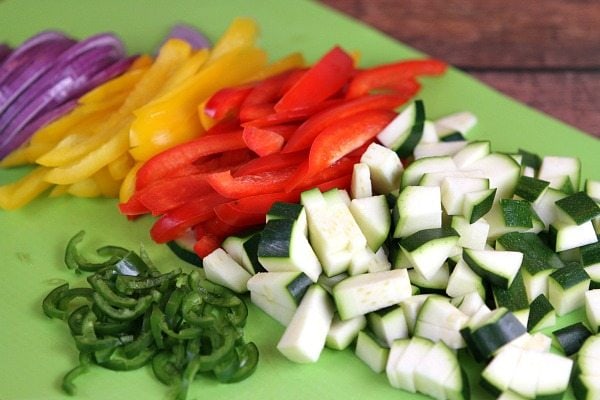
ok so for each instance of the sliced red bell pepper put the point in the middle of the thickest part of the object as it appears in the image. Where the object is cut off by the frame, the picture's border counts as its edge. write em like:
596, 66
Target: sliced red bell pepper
340, 139
167, 194
186, 153
133, 207
263, 96
306, 133
262, 141
324, 79
175, 222
249, 185
226, 125
398, 76
272, 162
206, 244
216, 227
251, 211
285, 117
226, 102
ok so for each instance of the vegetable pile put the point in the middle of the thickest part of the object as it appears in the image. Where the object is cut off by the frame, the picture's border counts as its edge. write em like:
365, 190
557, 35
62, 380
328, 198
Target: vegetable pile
98, 146
462, 255
132, 315
270, 140
42, 78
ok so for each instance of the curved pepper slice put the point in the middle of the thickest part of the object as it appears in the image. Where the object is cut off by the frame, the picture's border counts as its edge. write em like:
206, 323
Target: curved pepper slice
262, 141
340, 139
320, 82
249, 185
398, 76
306, 133
179, 156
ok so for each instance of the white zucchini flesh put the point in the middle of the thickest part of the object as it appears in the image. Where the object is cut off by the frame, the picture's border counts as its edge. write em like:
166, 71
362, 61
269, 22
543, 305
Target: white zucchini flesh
502, 171
471, 236
592, 309
470, 303
454, 188
417, 208
435, 149
403, 371
415, 170
305, 336
221, 268
385, 168
343, 332
272, 308
472, 152
555, 169
373, 217
434, 369
462, 122
397, 349
411, 307
361, 294
388, 327
360, 185
371, 352
463, 281
570, 236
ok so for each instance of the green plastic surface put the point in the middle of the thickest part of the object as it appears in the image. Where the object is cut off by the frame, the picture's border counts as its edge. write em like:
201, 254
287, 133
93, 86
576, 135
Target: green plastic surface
35, 352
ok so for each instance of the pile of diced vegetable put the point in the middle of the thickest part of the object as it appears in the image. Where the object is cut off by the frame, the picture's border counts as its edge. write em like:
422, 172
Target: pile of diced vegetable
461, 248
328, 195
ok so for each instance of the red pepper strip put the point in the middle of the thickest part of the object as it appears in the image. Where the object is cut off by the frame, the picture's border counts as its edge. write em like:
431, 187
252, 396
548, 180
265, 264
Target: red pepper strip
299, 114
392, 76
174, 223
263, 96
133, 207
249, 185
216, 227
342, 167
339, 139
256, 111
251, 211
262, 141
272, 162
226, 125
226, 101
179, 156
167, 194
306, 133
207, 244
320, 82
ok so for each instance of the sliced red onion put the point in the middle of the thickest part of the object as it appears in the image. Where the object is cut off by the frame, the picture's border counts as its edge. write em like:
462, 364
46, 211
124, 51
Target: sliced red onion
116, 69
26, 74
42, 120
69, 78
5, 51
28, 49
190, 34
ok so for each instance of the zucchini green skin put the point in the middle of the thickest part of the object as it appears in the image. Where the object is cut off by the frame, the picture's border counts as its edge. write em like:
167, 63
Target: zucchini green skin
276, 239
514, 298
569, 276
530, 189
485, 340
572, 337
482, 208
184, 254
530, 159
283, 210
538, 310
517, 213
537, 255
417, 239
579, 206
251, 249
416, 131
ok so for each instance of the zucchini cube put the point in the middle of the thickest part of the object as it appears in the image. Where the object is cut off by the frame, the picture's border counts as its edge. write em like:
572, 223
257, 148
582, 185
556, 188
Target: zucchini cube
567, 287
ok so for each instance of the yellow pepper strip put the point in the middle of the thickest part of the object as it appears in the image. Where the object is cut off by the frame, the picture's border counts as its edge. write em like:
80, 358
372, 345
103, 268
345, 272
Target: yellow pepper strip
128, 184
291, 61
112, 140
58, 190
120, 167
17, 194
114, 87
84, 188
185, 71
173, 119
109, 187
242, 32
86, 166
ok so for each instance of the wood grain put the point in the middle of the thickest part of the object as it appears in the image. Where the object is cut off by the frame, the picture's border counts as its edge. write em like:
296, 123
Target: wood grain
547, 56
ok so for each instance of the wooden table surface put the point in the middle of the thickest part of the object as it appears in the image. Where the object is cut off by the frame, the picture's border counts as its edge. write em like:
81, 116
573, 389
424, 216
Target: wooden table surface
543, 53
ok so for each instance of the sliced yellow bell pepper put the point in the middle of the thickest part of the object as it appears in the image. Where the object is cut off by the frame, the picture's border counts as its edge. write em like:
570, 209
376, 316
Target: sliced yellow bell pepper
242, 32
173, 118
121, 166
17, 194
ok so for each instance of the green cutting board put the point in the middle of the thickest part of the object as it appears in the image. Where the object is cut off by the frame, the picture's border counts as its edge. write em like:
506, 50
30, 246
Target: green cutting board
35, 352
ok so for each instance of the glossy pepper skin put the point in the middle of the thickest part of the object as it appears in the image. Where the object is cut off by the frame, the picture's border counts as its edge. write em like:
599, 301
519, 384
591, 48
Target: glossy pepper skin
302, 128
